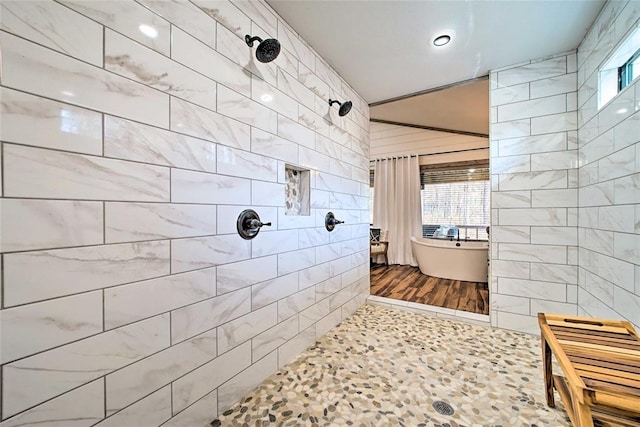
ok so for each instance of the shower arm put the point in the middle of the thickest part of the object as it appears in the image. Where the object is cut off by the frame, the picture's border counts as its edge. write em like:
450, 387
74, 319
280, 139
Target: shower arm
249, 40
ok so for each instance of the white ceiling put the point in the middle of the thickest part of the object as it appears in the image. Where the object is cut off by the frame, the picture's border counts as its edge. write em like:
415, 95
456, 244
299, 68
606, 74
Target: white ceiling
384, 48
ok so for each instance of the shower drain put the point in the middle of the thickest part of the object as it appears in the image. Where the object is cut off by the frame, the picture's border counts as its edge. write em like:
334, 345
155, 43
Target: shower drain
443, 408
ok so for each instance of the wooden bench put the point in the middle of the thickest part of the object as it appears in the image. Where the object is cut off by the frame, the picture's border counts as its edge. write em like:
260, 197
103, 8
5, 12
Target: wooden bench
600, 360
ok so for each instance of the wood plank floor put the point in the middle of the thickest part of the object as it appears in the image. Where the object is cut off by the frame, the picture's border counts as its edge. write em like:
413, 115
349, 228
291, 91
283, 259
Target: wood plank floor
407, 283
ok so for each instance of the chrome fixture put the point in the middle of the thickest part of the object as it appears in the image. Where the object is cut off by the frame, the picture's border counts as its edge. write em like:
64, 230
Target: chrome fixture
249, 224
267, 50
344, 107
330, 221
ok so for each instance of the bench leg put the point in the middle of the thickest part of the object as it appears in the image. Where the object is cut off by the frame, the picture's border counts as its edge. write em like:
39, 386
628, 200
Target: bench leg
548, 373
583, 414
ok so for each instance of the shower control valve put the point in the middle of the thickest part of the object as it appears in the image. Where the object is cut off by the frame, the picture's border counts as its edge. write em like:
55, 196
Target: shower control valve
249, 224
330, 221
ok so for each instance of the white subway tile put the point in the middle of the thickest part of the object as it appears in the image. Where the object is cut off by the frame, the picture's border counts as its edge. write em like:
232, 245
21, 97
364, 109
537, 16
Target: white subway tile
513, 129
269, 96
126, 18
202, 123
247, 165
260, 13
295, 303
533, 108
510, 304
533, 216
263, 344
40, 224
243, 109
627, 304
295, 46
35, 379
532, 289
533, 180
146, 221
509, 94
627, 247
544, 306
554, 273
150, 411
267, 292
510, 234
267, 194
127, 58
190, 388
554, 85
129, 384
554, 161
81, 407
296, 260
246, 273
554, 198
124, 139
29, 329
201, 58
535, 253
618, 164
313, 275
532, 72
69, 271
199, 252
35, 172
554, 235
325, 324
56, 27
511, 164
617, 218
293, 131
514, 269
31, 120
511, 199
627, 189
601, 194
129, 303
272, 146
533, 144
194, 319
231, 391
288, 351
554, 123
246, 327
200, 187
274, 242
199, 413
78, 83
186, 16
226, 14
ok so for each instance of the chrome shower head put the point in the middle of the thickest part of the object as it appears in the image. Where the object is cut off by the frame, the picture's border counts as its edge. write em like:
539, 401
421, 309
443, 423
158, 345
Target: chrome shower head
344, 107
267, 50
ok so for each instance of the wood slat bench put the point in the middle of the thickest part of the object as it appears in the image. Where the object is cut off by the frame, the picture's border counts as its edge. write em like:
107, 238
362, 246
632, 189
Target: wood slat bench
600, 360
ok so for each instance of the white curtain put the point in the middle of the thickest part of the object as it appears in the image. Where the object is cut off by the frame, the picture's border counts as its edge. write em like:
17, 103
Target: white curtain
396, 205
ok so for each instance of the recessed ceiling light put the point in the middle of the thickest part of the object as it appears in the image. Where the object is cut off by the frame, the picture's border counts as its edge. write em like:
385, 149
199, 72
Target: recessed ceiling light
148, 31
442, 40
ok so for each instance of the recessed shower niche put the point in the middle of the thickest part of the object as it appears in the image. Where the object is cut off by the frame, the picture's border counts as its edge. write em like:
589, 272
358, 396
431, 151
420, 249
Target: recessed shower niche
297, 190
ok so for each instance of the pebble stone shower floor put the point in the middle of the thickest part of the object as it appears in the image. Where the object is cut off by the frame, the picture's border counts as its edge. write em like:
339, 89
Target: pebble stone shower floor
384, 367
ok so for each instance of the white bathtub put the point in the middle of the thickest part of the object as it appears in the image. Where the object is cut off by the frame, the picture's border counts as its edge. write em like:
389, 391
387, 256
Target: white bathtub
442, 258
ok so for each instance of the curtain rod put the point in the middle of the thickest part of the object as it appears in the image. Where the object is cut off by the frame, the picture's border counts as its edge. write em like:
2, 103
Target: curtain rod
395, 157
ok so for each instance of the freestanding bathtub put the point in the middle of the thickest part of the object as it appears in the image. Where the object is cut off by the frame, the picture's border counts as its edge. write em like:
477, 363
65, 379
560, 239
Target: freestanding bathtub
442, 258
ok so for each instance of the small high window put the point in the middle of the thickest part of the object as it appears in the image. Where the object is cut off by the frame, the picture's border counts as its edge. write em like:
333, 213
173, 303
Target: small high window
629, 71
620, 69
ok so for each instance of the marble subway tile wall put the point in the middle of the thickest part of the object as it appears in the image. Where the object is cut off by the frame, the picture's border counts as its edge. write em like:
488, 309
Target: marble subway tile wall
534, 191
609, 176
132, 135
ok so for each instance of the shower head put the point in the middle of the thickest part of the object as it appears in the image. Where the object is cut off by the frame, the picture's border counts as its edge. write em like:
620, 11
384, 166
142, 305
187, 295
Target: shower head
344, 107
267, 50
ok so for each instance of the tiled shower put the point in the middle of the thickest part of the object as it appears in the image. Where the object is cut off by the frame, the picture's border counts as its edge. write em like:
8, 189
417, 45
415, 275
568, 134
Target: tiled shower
133, 134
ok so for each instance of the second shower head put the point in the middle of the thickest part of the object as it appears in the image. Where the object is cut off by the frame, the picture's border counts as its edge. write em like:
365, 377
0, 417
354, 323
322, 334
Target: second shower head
345, 107
267, 50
